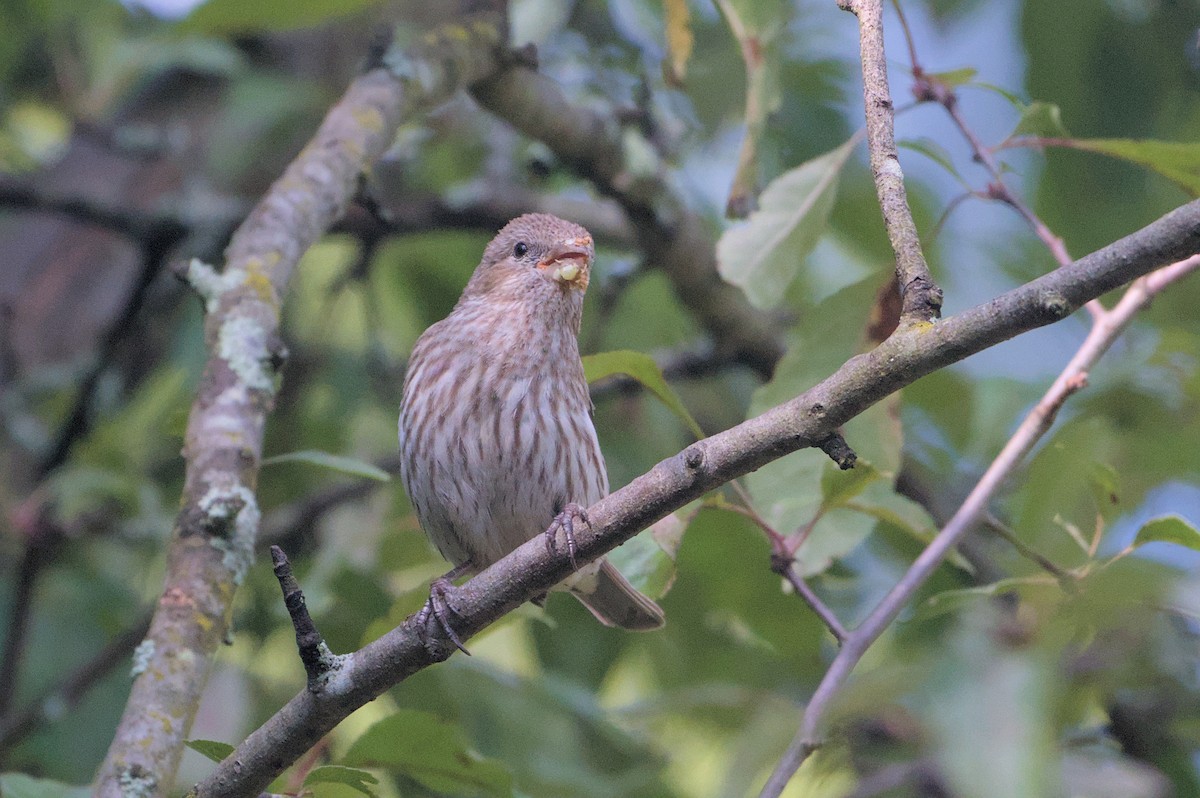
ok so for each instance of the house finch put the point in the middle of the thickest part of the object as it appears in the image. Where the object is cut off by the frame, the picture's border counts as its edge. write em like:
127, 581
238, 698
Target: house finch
496, 435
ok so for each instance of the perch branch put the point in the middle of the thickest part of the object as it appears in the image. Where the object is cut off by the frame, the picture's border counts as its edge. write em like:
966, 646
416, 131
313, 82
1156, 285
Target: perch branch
530, 570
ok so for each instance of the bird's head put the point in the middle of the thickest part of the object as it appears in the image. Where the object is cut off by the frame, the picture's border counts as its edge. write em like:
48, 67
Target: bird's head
538, 253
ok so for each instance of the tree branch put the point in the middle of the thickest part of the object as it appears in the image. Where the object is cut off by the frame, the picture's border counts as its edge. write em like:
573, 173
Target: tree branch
1035, 425
55, 702
674, 238
922, 296
214, 535
530, 570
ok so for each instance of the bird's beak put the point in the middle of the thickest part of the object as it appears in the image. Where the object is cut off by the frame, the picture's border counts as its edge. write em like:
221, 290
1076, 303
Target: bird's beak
569, 262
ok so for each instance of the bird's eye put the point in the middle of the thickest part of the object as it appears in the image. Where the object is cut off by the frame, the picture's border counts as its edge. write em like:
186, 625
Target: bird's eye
520, 249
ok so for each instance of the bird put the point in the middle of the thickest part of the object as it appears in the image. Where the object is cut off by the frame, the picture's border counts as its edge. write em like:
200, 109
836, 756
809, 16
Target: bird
497, 443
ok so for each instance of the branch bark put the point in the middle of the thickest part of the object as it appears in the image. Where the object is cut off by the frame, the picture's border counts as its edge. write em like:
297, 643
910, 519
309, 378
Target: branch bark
922, 296
214, 534
912, 352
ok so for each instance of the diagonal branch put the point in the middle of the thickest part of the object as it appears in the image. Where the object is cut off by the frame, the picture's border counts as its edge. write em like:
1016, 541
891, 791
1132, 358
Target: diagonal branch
1035, 425
530, 570
214, 535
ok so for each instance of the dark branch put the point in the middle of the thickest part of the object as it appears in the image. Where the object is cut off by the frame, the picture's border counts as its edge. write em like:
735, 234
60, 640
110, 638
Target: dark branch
53, 703
314, 653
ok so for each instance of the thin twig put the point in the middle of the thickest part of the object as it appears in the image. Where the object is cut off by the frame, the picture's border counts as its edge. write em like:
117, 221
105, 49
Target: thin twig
783, 559
318, 660
1066, 578
787, 569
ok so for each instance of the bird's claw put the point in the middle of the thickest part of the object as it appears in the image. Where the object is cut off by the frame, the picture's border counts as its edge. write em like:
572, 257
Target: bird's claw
440, 609
566, 522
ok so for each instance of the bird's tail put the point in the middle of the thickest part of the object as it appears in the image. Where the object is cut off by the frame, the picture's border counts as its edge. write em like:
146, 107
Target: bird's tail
615, 602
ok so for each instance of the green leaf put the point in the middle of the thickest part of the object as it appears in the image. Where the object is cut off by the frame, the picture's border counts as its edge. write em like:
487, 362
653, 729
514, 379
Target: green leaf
1008, 742
679, 40
641, 367
1169, 529
838, 487
18, 785
790, 492
955, 77
648, 560
213, 749
1016, 101
347, 465
763, 256
423, 747
236, 16
934, 152
949, 601
756, 24
1178, 161
359, 780
1040, 119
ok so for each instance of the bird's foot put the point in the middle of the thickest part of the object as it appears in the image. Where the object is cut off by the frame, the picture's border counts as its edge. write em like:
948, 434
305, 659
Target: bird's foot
438, 607
565, 521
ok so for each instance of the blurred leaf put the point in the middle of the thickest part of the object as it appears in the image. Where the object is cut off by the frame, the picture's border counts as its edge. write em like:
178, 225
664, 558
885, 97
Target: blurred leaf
359, 780
642, 368
956, 77
233, 16
951, 601
18, 785
346, 465
763, 255
648, 560
1012, 98
423, 747
679, 40
838, 486
142, 433
1109, 775
213, 749
933, 151
1178, 161
1169, 529
1005, 747
549, 729
1040, 119
756, 24
788, 493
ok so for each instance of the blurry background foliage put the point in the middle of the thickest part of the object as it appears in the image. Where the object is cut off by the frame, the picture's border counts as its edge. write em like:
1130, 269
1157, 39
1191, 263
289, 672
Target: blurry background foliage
1001, 681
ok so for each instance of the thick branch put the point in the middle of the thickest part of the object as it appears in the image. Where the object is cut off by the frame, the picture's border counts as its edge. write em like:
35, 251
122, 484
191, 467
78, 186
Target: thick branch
922, 296
530, 570
215, 530
674, 238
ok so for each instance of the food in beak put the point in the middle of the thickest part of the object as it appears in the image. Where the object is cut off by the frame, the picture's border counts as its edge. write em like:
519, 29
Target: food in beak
568, 262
